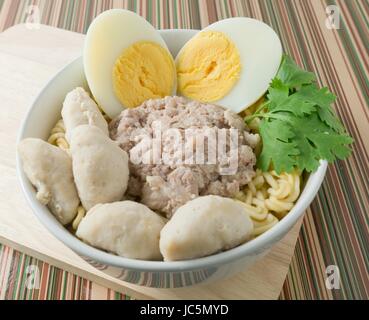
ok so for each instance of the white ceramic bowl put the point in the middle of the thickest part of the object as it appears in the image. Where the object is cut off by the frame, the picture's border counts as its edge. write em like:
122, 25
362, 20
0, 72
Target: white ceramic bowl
40, 119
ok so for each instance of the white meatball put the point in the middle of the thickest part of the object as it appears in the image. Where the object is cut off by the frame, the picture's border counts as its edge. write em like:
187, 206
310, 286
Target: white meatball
79, 108
126, 228
204, 226
50, 170
100, 167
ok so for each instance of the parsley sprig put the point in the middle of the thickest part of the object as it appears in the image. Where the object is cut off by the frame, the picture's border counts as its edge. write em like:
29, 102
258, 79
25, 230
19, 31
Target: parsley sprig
298, 126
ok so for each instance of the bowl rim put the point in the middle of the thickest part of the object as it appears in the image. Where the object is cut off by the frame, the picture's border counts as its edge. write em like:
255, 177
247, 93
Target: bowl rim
252, 247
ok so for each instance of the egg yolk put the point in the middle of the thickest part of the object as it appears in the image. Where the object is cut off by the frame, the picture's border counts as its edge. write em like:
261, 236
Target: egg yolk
208, 67
143, 71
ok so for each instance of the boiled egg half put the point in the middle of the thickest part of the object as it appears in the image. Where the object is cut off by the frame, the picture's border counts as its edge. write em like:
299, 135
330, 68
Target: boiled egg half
126, 61
229, 63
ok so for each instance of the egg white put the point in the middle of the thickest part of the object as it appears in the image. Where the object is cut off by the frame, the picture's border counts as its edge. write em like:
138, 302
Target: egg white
108, 35
260, 52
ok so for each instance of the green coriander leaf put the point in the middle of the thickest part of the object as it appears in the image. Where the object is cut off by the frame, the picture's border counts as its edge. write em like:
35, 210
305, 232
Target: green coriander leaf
281, 101
315, 141
329, 117
277, 149
277, 91
292, 75
278, 84
298, 125
323, 99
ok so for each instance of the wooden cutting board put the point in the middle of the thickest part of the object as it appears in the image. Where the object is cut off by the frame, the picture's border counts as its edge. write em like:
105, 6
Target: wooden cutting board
28, 59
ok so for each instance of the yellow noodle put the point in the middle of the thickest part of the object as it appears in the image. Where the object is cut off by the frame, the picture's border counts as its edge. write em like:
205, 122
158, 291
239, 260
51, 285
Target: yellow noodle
269, 197
241, 196
248, 197
260, 195
270, 179
259, 181
258, 203
264, 191
258, 214
283, 190
57, 136
266, 224
295, 191
260, 217
276, 205
81, 212
252, 187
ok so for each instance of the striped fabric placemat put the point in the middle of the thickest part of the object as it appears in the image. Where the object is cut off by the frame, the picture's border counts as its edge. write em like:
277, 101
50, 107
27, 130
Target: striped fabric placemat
335, 230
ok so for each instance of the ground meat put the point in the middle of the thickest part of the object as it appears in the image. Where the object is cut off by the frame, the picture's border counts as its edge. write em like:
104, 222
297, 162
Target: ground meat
167, 184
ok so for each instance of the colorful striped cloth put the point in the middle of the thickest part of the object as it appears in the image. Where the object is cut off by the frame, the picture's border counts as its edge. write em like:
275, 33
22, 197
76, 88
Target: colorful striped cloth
335, 230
